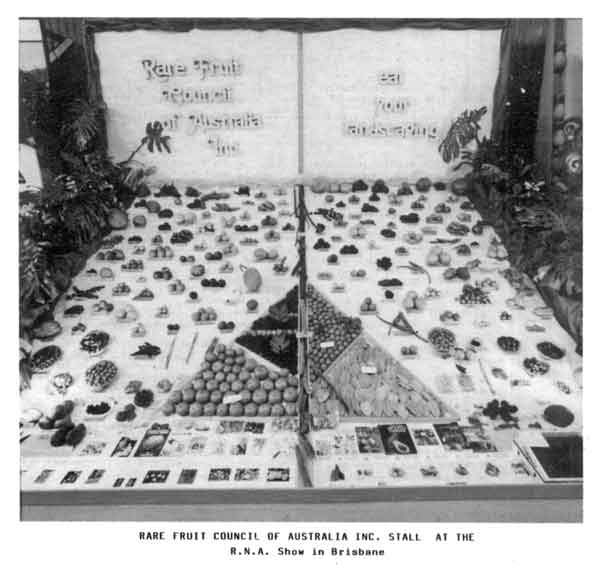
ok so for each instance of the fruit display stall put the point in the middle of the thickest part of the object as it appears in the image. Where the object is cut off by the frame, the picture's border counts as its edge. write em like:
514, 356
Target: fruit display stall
260, 328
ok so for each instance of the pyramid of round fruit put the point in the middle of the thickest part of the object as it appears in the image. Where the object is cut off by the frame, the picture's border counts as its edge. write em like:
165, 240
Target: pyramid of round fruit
332, 331
229, 383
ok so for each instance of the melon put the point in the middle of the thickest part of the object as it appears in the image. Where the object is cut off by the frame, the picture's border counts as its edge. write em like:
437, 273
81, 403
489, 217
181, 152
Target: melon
252, 278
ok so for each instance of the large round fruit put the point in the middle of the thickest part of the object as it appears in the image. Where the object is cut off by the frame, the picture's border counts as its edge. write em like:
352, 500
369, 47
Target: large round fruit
259, 396
284, 373
208, 375
290, 408
290, 394
212, 385
175, 397
267, 384
261, 372
198, 384
236, 409
182, 409
202, 396
277, 410
252, 384
230, 377
168, 408
223, 410
188, 394
251, 364
237, 386
250, 409
245, 396
210, 409
281, 383
210, 357
293, 381
264, 410
224, 387
244, 375
220, 376
216, 396
274, 397
240, 360
196, 409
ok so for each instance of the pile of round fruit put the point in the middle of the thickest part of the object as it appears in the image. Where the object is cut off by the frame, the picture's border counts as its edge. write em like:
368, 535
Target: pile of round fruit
443, 340
231, 384
101, 375
328, 324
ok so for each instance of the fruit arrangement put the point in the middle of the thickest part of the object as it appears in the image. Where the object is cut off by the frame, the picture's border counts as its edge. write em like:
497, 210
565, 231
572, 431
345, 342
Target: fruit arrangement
95, 342
231, 384
413, 302
144, 294
412, 237
386, 390
176, 287
146, 351
111, 255
161, 252
226, 327
509, 344
328, 324
121, 289
384, 263
126, 314
349, 250
101, 375
45, 357
456, 228
133, 265
535, 367
197, 271
367, 306
551, 351
438, 257
213, 283
471, 295
264, 255
204, 315
61, 382
504, 409
461, 273
143, 398
442, 340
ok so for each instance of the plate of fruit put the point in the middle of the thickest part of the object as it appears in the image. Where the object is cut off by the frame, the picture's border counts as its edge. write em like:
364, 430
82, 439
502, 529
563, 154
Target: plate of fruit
94, 342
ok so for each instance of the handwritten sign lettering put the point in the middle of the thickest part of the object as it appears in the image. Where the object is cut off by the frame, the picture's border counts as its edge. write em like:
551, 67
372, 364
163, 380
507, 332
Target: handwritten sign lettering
183, 96
391, 78
392, 105
204, 67
383, 129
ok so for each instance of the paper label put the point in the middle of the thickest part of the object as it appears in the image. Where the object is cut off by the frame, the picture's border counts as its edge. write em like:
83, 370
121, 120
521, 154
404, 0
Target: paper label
368, 370
233, 398
326, 344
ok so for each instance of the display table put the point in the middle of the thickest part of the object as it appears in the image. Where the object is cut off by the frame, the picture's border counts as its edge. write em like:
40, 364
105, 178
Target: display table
408, 465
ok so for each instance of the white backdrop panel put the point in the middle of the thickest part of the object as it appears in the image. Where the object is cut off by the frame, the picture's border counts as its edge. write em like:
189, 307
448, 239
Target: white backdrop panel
266, 86
441, 72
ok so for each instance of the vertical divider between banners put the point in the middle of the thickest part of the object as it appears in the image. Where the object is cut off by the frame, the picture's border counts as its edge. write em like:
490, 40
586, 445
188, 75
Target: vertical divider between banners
300, 103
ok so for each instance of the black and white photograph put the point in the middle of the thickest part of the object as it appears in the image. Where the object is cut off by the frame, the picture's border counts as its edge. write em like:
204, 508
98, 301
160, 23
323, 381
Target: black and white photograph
301, 269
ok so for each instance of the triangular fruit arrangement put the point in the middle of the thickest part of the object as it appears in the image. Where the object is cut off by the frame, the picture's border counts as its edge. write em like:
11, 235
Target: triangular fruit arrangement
369, 382
273, 336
